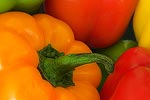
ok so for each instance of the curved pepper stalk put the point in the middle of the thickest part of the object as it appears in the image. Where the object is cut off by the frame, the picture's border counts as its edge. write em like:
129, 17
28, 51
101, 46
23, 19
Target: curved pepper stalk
58, 68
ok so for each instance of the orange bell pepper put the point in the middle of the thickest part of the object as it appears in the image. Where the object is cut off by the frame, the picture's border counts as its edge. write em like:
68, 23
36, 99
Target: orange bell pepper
21, 36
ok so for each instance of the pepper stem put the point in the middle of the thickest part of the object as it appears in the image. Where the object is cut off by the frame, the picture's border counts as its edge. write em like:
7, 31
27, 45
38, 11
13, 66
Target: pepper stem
58, 69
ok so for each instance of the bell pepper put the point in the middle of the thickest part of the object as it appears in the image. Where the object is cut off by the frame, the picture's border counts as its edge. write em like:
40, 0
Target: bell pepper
141, 23
134, 85
31, 70
129, 60
29, 6
98, 23
114, 52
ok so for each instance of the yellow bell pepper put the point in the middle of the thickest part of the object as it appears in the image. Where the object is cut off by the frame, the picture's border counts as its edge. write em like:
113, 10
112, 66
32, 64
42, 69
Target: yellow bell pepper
141, 23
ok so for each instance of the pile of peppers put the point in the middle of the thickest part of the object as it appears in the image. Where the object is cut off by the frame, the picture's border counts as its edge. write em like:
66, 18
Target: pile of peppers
130, 78
74, 50
41, 60
131, 72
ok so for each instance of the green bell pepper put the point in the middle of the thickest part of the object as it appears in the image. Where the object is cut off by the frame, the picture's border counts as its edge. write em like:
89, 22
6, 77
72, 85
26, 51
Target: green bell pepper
114, 52
29, 6
117, 49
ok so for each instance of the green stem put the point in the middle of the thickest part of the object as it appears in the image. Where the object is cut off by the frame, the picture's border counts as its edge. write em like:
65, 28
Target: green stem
59, 70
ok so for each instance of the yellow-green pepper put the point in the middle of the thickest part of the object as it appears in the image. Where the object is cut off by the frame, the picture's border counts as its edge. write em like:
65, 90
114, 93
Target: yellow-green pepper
29, 6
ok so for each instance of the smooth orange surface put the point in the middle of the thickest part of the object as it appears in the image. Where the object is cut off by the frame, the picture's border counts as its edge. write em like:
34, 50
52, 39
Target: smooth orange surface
15, 51
25, 25
24, 83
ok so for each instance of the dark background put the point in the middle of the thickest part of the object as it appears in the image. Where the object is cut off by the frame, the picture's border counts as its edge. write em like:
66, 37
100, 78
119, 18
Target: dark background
129, 34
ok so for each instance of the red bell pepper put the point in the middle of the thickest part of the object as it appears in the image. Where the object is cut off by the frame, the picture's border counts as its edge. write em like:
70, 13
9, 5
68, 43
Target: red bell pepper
129, 60
98, 23
134, 85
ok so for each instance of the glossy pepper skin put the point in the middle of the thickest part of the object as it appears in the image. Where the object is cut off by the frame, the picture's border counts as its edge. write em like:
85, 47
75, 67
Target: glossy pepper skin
127, 86
21, 39
29, 6
141, 23
98, 23
131, 59
114, 52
